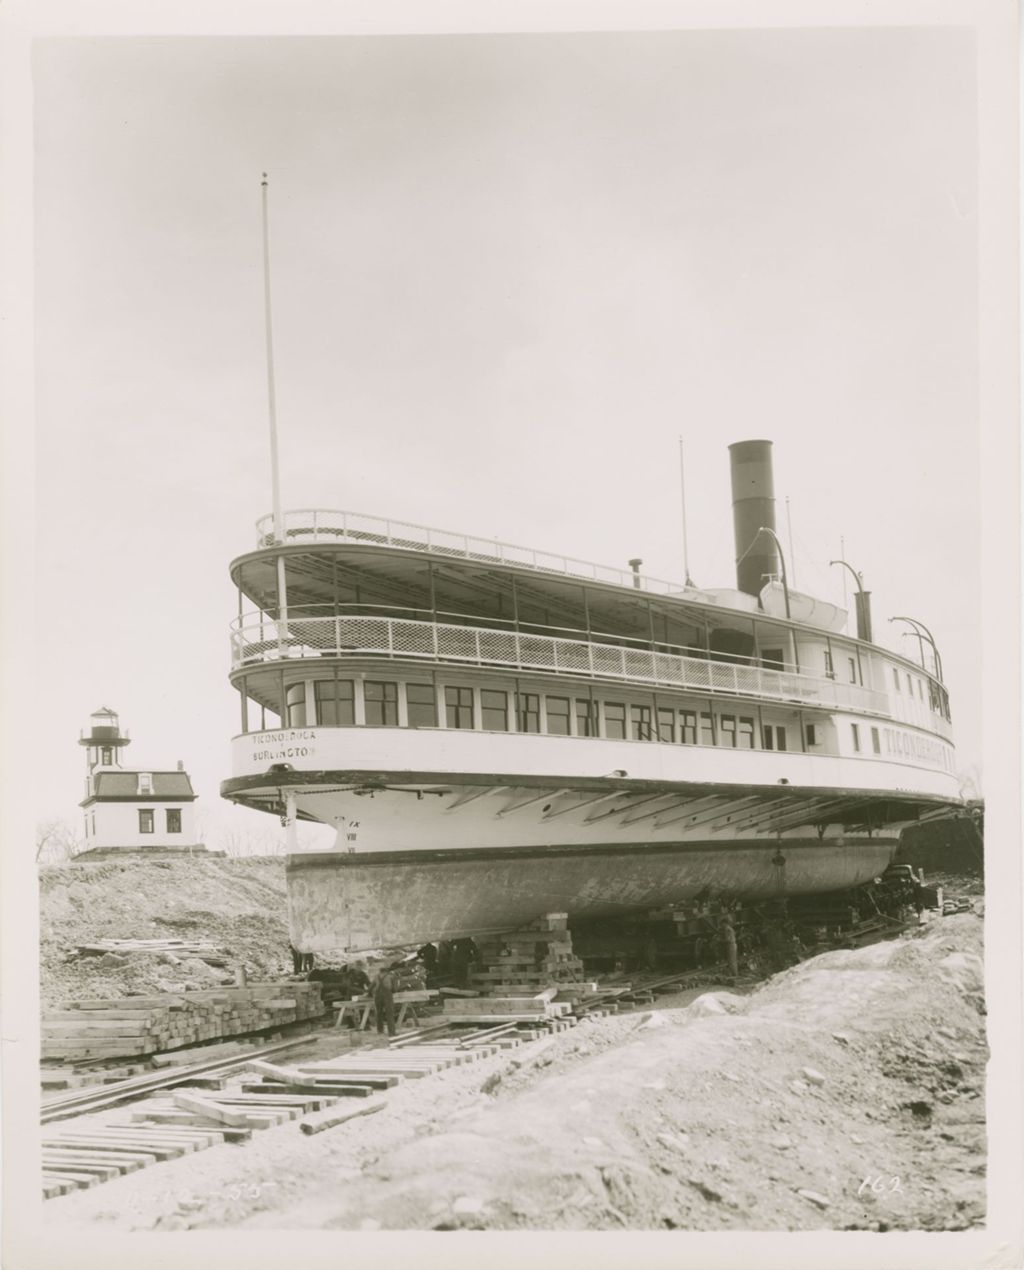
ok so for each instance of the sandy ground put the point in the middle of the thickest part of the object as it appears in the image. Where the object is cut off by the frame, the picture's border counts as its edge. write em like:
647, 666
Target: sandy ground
845, 1094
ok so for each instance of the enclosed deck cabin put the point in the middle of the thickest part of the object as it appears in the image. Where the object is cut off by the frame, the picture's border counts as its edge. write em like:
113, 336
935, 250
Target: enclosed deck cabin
385, 629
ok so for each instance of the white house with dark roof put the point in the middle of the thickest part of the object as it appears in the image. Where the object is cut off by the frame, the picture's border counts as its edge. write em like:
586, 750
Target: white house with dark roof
128, 808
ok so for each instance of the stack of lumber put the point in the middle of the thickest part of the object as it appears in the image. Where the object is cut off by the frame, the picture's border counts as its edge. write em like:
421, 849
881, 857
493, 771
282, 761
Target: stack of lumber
85, 1157
179, 947
537, 957
510, 1009
151, 1024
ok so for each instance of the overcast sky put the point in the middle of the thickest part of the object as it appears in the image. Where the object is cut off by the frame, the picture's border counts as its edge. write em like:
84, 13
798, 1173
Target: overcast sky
509, 271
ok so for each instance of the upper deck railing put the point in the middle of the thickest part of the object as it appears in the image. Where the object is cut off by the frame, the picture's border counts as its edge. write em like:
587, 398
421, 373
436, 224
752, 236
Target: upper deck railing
256, 641
321, 525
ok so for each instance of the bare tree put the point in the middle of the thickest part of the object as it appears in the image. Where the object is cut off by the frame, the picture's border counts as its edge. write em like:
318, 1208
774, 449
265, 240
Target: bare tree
56, 842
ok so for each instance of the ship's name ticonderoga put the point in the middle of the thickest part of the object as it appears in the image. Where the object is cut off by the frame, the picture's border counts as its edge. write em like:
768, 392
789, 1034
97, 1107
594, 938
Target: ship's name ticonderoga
283, 745
283, 738
911, 745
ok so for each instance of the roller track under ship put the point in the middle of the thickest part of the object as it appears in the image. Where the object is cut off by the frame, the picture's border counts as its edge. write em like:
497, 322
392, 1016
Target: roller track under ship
496, 733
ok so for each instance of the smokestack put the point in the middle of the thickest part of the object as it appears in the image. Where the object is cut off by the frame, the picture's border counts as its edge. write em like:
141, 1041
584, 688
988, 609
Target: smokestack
753, 507
863, 602
635, 566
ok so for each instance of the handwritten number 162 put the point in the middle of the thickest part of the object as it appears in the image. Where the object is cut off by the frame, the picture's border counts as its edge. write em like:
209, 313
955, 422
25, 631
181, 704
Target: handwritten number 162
879, 1185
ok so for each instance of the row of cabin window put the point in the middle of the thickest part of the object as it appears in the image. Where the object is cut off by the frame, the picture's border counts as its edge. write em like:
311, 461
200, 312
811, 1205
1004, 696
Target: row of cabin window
934, 700
876, 740
147, 820
335, 706
910, 683
937, 700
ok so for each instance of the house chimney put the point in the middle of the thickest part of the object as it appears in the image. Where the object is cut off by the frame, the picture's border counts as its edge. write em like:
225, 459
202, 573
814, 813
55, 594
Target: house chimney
753, 508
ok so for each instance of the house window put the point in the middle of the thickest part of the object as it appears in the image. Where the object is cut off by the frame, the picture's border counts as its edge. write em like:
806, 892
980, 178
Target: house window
727, 730
106, 756
666, 724
855, 731
829, 669
528, 711
145, 782
494, 710
852, 664
380, 702
772, 659
707, 729
812, 734
586, 717
458, 707
640, 723
422, 711
896, 678
687, 727
615, 720
773, 738
558, 716
876, 743
746, 734
335, 702
295, 705
145, 820
173, 820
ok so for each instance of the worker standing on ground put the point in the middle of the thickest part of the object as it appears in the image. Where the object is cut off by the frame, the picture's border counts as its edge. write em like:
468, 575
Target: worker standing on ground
428, 959
358, 979
384, 1000
729, 940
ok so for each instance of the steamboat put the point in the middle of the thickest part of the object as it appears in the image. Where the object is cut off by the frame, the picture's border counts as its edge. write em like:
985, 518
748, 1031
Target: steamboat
495, 733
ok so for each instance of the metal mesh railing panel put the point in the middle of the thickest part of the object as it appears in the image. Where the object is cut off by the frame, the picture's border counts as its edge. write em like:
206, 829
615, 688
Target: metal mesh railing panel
254, 642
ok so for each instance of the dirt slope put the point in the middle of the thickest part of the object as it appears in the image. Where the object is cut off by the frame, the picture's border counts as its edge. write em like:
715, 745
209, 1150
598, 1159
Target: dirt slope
855, 1065
852, 1069
237, 903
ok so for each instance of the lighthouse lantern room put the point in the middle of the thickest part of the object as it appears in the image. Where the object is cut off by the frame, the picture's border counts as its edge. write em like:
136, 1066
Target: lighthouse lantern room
130, 809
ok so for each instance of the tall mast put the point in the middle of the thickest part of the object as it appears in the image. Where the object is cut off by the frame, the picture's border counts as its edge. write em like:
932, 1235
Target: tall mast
789, 530
275, 475
682, 500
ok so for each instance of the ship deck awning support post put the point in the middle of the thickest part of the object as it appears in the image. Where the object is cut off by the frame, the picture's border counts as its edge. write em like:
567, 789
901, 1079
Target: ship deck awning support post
920, 627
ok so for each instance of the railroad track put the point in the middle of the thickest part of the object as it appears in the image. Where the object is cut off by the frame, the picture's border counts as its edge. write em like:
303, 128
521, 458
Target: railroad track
227, 1100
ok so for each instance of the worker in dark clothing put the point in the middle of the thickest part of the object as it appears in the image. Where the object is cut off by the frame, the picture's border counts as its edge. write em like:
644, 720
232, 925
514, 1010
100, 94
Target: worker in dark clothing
729, 943
464, 953
384, 1000
459, 963
427, 956
358, 979
301, 962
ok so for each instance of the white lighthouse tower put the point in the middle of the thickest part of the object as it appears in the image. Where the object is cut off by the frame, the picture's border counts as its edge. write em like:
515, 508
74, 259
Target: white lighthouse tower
132, 809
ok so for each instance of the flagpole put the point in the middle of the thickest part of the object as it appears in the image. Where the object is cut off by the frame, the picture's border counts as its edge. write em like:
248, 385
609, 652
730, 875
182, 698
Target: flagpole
275, 475
682, 499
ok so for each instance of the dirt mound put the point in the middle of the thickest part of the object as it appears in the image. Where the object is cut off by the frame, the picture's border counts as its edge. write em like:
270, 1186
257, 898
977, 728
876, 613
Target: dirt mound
845, 1094
238, 904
